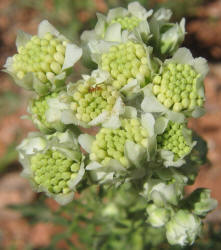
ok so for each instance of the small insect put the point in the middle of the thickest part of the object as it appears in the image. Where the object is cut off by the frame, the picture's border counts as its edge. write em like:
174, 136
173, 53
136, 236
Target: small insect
96, 88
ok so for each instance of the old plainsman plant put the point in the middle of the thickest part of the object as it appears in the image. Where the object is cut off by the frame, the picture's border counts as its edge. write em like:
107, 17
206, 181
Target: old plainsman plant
138, 97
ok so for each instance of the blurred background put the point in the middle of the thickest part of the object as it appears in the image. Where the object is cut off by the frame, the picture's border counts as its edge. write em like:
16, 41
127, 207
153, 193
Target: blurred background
26, 218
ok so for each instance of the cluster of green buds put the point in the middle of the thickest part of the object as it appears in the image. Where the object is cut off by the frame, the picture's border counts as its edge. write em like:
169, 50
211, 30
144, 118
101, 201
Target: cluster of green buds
173, 140
125, 62
42, 56
43, 61
127, 23
110, 143
176, 87
39, 109
91, 101
177, 90
53, 163
54, 171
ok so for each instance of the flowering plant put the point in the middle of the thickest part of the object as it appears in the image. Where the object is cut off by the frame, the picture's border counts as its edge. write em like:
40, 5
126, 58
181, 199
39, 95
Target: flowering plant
138, 99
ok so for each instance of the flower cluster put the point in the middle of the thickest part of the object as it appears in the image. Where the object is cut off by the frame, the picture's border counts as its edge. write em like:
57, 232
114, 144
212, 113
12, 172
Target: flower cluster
138, 100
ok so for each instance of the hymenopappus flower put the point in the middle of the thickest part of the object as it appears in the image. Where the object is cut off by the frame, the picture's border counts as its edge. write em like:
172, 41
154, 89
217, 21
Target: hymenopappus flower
41, 112
178, 90
110, 27
129, 62
174, 142
92, 101
114, 152
43, 61
52, 163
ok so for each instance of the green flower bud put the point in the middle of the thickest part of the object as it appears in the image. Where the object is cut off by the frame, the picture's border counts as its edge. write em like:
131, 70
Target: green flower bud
110, 143
200, 202
130, 54
180, 97
38, 109
127, 23
183, 228
173, 140
157, 216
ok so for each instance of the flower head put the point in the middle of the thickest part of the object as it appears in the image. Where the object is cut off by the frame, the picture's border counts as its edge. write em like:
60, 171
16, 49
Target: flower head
178, 90
53, 164
110, 27
125, 62
183, 228
117, 150
43, 61
92, 101
39, 108
174, 143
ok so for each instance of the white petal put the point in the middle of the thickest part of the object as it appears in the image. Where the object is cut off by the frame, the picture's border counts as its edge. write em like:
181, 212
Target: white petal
113, 122
150, 102
93, 166
86, 141
161, 125
72, 54
116, 12
175, 116
22, 38
68, 117
64, 199
100, 25
88, 35
100, 76
130, 112
201, 66
163, 14
135, 153
99, 119
148, 122
184, 56
78, 178
139, 11
113, 33
45, 27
